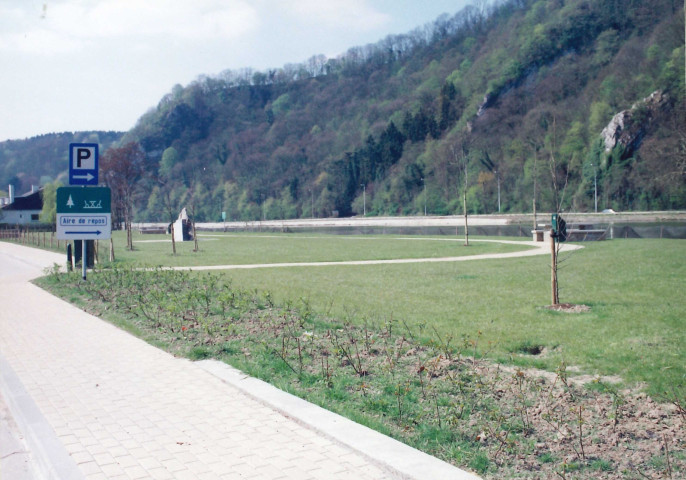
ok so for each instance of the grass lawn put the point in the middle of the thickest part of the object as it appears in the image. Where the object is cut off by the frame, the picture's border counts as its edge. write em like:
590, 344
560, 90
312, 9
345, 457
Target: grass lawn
233, 249
635, 329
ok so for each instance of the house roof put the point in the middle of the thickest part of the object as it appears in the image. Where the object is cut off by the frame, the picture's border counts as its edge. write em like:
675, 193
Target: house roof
29, 201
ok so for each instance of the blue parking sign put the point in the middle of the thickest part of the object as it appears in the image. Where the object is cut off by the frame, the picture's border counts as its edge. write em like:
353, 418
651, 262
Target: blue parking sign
83, 164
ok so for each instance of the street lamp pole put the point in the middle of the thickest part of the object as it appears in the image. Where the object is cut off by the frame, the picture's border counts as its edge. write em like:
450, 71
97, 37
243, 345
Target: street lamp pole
424, 182
264, 215
312, 198
498, 178
364, 199
595, 187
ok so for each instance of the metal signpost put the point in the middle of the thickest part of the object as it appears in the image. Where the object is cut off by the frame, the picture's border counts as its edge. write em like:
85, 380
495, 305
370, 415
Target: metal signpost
84, 213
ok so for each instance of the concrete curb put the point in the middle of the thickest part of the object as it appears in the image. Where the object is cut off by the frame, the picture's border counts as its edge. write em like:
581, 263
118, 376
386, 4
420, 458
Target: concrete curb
50, 459
399, 460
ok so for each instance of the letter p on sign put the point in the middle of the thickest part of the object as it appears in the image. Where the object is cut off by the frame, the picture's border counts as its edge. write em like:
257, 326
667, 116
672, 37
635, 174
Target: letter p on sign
83, 157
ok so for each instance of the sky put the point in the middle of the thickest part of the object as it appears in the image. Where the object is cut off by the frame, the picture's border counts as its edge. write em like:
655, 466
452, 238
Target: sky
74, 65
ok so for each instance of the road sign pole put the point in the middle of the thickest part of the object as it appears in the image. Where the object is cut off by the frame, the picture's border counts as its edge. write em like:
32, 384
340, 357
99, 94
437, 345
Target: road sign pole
84, 259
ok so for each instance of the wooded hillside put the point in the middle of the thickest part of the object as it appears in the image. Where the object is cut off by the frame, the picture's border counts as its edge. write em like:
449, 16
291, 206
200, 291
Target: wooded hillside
43, 159
498, 92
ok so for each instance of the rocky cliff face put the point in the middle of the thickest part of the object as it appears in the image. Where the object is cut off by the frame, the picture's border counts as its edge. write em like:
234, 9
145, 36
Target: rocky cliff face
628, 127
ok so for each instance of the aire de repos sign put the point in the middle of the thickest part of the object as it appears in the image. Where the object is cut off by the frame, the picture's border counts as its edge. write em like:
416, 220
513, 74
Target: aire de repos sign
84, 213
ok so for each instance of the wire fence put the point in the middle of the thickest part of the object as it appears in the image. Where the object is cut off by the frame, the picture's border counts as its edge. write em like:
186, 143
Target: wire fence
35, 236
43, 236
596, 232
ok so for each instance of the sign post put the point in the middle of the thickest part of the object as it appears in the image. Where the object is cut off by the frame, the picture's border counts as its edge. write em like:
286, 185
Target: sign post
83, 214
84, 258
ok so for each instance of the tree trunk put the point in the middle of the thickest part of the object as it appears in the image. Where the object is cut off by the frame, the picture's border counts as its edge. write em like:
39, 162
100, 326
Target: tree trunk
534, 199
553, 270
129, 237
173, 241
195, 237
464, 206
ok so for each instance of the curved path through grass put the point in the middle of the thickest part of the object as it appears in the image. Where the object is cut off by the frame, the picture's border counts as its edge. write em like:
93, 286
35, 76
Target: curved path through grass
538, 248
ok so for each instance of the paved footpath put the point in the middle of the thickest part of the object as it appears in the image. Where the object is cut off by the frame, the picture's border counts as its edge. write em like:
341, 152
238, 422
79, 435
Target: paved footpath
534, 248
94, 402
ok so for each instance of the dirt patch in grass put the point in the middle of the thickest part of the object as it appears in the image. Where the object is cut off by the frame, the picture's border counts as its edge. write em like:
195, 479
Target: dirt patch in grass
569, 308
573, 378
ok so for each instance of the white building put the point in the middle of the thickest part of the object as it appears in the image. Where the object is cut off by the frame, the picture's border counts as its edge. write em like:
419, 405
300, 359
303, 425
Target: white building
22, 210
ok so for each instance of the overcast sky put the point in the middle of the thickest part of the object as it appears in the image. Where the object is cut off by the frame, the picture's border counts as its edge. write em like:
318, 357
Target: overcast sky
71, 65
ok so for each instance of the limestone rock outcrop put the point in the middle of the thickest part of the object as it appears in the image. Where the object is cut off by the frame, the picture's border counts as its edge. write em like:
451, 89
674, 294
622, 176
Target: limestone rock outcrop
628, 127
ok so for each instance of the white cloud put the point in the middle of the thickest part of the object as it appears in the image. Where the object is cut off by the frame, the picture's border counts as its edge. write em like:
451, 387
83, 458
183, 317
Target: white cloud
38, 41
99, 64
351, 14
73, 24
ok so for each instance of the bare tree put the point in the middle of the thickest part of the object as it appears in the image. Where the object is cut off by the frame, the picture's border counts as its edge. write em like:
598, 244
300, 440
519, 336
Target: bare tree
166, 184
534, 175
461, 159
166, 191
559, 177
123, 169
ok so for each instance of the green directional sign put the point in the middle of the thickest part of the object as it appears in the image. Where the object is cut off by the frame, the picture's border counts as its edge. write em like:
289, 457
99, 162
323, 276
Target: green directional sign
84, 200
84, 213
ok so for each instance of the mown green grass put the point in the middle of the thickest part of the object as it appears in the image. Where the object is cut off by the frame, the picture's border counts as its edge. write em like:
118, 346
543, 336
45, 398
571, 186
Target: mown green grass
635, 329
241, 249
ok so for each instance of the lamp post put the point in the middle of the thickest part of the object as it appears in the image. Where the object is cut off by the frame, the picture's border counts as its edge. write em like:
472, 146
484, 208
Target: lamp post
264, 215
364, 199
595, 187
498, 178
312, 202
424, 182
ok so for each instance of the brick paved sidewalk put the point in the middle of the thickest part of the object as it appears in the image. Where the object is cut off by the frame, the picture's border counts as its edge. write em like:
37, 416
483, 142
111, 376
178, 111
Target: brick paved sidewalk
118, 408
